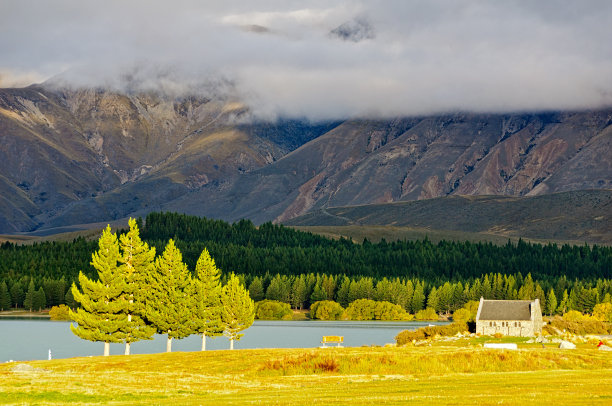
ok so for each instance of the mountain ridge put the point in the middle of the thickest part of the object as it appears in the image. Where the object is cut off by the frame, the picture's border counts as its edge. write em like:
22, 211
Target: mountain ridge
91, 155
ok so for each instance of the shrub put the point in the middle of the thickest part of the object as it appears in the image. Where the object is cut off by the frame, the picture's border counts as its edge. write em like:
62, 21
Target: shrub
463, 315
326, 310
573, 315
407, 336
426, 314
603, 312
389, 311
360, 309
581, 327
273, 310
59, 312
366, 309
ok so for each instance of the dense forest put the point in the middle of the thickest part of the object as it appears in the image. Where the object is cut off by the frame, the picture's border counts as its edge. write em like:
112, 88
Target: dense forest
272, 258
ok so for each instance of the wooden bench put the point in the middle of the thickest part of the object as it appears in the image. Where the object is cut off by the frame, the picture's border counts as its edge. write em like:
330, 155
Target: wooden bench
332, 340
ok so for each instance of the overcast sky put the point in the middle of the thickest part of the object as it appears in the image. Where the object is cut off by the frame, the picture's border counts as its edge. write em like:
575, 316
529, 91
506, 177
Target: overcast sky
323, 59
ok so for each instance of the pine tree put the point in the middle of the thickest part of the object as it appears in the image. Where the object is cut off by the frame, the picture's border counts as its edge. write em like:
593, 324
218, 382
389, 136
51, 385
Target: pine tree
17, 294
551, 302
342, 295
5, 297
318, 294
137, 261
433, 300
69, 299
28, 302
170, 296
418, 298
238, 309
102, 314
40, 299
299, 292
207, 310
256, 290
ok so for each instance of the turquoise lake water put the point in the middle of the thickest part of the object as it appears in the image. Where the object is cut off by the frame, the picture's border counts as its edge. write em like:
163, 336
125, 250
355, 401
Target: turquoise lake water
22, 340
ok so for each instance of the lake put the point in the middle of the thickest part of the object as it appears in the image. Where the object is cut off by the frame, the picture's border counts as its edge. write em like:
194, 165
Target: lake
31, 339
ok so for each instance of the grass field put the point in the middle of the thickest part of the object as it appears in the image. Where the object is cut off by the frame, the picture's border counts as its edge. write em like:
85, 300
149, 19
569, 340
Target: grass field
333, 376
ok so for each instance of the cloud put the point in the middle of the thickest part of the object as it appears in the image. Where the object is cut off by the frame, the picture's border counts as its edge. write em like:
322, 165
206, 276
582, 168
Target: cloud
403, 57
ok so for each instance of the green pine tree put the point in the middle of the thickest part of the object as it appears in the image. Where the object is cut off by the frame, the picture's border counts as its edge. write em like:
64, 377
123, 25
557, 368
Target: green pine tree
69, 300
551, 302
17, 294
5, 297
40, 299
418, 298
238, 309
299, 292
256, 290
433, 300
170, 296
28, 302
137, 262
207, 310
318, 294
102, 314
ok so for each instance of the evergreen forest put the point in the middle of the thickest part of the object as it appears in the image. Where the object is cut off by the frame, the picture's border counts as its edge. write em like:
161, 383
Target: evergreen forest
299, 268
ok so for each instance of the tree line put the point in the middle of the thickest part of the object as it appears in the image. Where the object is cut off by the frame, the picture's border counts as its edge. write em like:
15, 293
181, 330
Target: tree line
137, 294
274, 252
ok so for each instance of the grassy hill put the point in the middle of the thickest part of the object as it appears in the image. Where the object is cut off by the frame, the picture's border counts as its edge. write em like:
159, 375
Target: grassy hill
573, 217
359, 376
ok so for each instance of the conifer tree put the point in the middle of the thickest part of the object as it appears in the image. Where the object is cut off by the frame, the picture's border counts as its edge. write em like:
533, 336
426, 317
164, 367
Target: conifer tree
5, 297
238, 310
102, 314
551, 302
433, 300
17, 294
256, 290
137, 261
418, 298
207, 309
299, 292
28, 302
318, 294
69, 299
39, 301
170, 296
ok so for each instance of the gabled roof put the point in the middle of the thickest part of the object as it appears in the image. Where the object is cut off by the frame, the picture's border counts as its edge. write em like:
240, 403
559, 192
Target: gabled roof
505, 310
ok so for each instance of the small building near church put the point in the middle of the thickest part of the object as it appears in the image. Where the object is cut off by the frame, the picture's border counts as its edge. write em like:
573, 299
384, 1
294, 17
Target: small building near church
520, 318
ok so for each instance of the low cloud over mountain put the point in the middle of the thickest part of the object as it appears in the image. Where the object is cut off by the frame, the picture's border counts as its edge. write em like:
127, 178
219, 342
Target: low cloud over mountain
397, 57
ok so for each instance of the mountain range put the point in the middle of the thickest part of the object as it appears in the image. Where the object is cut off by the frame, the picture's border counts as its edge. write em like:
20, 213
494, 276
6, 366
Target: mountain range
71, 157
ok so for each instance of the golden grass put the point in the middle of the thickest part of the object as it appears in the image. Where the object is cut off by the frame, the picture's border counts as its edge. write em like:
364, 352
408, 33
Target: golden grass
356, 376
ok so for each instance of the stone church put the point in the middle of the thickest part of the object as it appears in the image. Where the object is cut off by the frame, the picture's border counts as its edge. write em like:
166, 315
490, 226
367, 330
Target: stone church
521, 318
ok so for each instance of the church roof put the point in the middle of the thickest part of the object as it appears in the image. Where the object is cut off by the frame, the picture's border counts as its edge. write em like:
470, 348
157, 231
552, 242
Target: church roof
505, 310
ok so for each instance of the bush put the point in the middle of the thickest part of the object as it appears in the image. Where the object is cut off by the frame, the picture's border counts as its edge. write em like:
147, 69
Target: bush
326, 310
584, 326
360, 309
59, 312
426, 314
573, 315
463, 315
407, 336
273, 310
603, 312
366, 309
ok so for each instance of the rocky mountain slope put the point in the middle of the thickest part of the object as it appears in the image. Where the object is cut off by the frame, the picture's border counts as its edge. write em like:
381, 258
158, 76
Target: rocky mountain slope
363, 162
119, 153
73, 157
